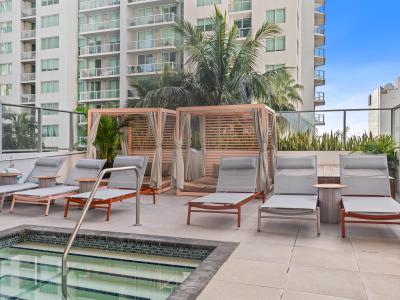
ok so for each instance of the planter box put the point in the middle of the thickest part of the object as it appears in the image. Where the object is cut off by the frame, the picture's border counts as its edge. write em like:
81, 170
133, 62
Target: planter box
324, 157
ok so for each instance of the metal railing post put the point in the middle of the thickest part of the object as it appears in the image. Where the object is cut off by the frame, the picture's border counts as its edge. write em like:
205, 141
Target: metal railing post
71, 131
1, 128
40, 130
84, 212
393, 123
344, 129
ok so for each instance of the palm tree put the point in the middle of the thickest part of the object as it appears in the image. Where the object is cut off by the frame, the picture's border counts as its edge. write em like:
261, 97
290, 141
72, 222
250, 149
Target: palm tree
220, 69
283, 91
19, 131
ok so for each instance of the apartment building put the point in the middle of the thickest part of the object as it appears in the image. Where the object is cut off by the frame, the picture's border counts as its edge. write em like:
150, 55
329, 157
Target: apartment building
121, 40
37, 50
383, 97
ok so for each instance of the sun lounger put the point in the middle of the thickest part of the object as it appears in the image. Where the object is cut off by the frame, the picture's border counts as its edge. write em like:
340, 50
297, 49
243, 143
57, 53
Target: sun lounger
294, 195
44, 196
43, 166
366, 199
235, 187
121, 186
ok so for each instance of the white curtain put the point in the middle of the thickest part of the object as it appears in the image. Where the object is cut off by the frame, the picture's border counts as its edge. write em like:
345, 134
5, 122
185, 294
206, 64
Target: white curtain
202, 129
156, 167
189, 159
274, 147
123, 135
261, 129
91, 149
178, 165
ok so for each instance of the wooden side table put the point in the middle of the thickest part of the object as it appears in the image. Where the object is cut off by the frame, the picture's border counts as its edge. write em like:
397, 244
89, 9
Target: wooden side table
47, 181
329, 201
86, 184
8, 178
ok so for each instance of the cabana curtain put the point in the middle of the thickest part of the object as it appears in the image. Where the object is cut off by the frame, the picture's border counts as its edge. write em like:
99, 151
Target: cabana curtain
189, 160
123, 135
156, 167
178, 167
91, 149
202, 128
262, 140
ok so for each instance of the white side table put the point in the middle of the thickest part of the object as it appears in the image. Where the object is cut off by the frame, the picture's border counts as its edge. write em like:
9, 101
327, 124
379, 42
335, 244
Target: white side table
329, 201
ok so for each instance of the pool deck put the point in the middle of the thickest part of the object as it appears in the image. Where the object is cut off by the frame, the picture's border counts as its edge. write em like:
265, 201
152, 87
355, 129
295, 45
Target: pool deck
284, 261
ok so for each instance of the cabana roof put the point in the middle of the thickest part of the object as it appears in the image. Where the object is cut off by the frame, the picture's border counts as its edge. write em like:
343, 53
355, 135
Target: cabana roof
222, 109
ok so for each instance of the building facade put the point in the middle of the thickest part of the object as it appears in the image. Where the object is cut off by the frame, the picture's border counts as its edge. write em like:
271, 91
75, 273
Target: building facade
59, 53
388, 96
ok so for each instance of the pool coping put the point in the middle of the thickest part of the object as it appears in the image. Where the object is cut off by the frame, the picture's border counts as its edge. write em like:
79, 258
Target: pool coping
190, 288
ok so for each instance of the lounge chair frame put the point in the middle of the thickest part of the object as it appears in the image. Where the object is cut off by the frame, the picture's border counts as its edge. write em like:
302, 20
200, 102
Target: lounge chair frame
233, 209
140, 139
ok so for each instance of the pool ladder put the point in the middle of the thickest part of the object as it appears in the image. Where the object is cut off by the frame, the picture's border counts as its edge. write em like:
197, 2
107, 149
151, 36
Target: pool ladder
85, 210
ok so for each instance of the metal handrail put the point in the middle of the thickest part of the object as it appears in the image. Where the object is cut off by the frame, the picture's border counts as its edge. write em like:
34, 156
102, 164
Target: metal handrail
85, 210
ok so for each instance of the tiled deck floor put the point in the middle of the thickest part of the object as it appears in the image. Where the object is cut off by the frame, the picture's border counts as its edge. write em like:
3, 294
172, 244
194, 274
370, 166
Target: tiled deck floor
285, 261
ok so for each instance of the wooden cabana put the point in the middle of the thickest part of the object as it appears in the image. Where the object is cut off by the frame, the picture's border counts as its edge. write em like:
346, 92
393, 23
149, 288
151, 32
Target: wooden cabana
144, 132
221, 131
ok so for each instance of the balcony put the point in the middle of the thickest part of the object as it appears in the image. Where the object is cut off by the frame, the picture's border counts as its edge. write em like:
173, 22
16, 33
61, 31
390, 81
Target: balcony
319, 99
319, 15
99, 50
28, 98
91, 5
149, 69
167, 43
28, 13
145, 2
28, 35
110, 25
243, 33
319, 77
154, 20
320, 2
319, 36
105, 72
27, 56
319, 57
319, 120
239, 6
102, 95
28, 77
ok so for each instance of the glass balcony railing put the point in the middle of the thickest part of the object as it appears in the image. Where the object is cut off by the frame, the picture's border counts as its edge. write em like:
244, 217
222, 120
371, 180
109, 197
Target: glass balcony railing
99, 49
319, 119
28, 77
140, 1
28, 55
319, 52
28, 12
319, 30
319, 74
95, 4
151, 68
153, 19
28, 34
98, 95
28, 98
100, 72
240, 6
149, 44
105, 25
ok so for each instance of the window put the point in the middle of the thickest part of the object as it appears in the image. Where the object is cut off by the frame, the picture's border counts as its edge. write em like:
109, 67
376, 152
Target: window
276, 16
5, 6
207, 2
6, 48
50, 21
50, 130
52, 105
6, 27
5, 69
5, 89
269, 68
48, 87
51, 64
50, 42
244, 27
204, 24
49, 2
277, 43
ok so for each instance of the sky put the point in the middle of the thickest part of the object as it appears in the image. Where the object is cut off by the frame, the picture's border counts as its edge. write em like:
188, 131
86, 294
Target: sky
362, 50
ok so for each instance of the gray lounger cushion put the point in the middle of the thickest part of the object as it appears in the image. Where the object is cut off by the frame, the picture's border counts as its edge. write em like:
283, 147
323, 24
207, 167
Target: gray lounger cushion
45, 166
50, 191
223, 198
127, 179
105, 194
306, 202
374, 205
237, 175
11, 188
85, 168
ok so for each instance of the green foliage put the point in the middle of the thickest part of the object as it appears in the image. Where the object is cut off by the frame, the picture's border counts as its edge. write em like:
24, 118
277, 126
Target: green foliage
333, 141
107, 140
19, 131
